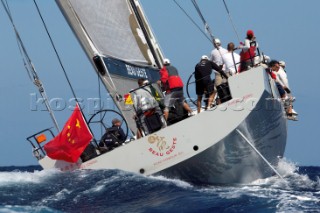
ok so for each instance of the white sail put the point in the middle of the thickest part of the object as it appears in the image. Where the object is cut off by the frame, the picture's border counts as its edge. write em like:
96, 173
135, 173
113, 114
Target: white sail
108, 25
120, 48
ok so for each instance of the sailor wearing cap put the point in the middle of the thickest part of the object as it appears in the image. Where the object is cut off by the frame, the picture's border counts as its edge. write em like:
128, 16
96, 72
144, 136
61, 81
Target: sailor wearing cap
204, 84
248, 53
113, 137
173, 85
283, 65
217, 52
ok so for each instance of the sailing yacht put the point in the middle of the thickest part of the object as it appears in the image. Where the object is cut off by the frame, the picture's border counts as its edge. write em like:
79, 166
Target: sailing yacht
249, 137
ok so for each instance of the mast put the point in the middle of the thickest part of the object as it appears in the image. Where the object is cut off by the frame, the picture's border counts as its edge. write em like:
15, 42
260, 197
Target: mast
141, 20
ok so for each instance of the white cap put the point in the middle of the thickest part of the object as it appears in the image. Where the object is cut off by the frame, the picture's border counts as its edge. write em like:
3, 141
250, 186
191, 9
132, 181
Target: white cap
217, 41
204, 57
145, 82
282, 63
166, 61
267, 59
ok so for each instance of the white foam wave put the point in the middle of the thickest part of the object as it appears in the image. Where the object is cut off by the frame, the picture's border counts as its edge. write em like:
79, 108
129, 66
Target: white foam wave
291, 178
17, 208
286, 167
177, 182
294, 180
61, 195
101, 185
7, 178
302, 202
294, 193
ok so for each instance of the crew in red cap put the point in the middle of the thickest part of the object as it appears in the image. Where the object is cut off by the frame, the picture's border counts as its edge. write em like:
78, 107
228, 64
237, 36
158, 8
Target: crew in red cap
250, 33
248, 53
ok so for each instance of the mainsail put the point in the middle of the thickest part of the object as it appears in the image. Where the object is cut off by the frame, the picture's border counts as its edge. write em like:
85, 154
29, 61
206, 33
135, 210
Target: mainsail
116, 38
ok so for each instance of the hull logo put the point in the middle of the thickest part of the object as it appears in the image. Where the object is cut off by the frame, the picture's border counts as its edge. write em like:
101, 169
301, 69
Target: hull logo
161, 146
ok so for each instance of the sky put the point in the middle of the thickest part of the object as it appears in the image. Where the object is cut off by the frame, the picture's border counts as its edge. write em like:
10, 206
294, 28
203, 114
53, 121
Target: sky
283, 29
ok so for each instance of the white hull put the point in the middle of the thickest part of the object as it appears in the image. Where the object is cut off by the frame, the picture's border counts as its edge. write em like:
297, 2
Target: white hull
206, 148
232, 160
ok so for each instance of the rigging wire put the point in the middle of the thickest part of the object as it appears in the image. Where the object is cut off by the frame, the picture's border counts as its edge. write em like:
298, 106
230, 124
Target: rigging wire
57, 54
29, 66
204, 21
32, 75
25, 57
213, 39
190, 18
232, 23
64, 71
100, 103
208, 28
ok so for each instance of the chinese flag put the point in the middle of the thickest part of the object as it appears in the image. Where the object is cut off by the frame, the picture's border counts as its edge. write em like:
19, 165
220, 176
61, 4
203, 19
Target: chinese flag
69, 144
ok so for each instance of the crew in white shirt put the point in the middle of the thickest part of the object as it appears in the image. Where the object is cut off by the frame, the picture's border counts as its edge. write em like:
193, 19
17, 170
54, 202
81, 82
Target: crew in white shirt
216, 57
281, 78
217, 53
231, 60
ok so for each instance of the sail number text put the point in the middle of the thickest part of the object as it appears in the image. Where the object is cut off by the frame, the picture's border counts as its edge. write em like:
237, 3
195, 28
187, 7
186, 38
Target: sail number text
136, 71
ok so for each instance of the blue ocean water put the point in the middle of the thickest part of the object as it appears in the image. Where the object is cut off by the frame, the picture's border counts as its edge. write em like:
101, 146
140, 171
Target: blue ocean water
30, 189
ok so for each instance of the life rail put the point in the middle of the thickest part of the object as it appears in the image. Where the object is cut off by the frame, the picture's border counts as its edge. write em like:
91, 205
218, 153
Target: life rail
38, 139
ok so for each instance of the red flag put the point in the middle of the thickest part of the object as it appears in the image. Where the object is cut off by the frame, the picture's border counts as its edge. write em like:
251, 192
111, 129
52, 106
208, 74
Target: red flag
69, 144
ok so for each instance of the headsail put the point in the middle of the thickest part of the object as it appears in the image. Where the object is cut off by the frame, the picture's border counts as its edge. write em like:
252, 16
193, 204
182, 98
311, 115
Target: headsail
115, 41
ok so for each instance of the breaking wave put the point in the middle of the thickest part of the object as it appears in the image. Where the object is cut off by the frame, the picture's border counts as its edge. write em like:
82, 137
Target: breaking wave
30, 189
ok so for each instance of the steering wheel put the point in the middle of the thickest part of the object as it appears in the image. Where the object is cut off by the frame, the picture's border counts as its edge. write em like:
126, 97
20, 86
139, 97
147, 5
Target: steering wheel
102, 120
